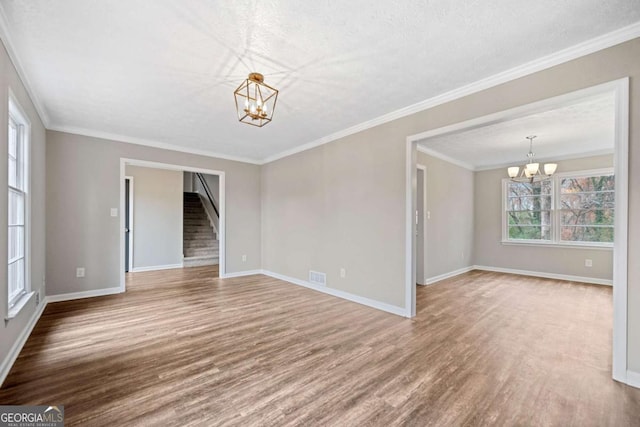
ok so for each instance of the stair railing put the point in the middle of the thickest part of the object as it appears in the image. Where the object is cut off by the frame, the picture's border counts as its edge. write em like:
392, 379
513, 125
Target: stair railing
207, 200
208, 192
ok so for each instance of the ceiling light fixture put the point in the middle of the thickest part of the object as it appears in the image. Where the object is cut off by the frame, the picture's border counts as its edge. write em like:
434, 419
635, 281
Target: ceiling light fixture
531, 171
255, 101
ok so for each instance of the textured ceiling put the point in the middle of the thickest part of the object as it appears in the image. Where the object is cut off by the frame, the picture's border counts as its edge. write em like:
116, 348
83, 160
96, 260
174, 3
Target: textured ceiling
165, 70
584, 127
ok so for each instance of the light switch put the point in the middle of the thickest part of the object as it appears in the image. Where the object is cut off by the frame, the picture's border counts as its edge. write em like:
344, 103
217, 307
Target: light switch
114, 211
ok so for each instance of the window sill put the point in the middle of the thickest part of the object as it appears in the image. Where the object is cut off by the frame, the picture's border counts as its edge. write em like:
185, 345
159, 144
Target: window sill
22, 302
559, 245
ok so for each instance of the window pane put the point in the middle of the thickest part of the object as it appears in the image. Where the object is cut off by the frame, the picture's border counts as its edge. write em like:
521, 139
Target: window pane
16, 279
13, 139
587, 217
598, 200
591, 183
16, 208
587, 234
530, 218
13, 172
16, 242
529, 203
521, 232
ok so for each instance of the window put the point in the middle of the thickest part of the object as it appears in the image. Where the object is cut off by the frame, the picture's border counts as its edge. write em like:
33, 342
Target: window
529, 208
586, 208
571, 208
18, 165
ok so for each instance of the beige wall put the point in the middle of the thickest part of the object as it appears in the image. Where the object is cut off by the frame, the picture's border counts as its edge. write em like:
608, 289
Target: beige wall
157, 216
450, 201
489, 251
83, 184
338, 206
343, 203
11, 330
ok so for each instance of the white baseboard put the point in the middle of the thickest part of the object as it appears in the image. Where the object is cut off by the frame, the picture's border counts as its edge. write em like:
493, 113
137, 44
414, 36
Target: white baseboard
546, 275
633, 379
84, 294
400, 311
440, 277
241, 274
13, 354
156, 267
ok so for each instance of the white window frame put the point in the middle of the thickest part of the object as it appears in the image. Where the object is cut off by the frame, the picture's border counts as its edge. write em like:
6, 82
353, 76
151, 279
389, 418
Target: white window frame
17, 114
555, 214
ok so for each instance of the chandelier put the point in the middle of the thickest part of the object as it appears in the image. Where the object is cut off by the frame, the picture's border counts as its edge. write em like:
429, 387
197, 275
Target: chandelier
255, 101
531, 171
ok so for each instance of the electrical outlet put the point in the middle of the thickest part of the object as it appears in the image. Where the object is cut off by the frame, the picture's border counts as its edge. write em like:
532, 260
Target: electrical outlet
37, 298
114, 211
80, 272
343, 273
588, 263
244, 258
428, 214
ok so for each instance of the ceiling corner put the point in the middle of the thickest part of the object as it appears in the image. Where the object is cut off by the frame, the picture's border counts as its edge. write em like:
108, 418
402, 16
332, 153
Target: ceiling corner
5, 37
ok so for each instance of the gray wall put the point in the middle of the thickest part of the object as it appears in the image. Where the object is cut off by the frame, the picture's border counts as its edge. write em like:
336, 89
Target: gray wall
83, 184
450, 201
11, 330
157, 216
342, 204
187, 182
561, 260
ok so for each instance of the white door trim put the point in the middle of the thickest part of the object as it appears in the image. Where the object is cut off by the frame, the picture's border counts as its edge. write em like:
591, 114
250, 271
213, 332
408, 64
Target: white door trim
131, 180
222, 205
423, 168
621, 167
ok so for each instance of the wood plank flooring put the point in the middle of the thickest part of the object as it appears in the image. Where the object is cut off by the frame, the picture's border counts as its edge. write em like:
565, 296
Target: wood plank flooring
183, 347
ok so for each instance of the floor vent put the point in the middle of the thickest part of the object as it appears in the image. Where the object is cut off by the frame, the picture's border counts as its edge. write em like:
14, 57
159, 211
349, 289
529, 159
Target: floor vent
317, 278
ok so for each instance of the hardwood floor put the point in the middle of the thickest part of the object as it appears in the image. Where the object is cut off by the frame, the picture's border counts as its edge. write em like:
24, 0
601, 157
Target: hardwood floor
183, 348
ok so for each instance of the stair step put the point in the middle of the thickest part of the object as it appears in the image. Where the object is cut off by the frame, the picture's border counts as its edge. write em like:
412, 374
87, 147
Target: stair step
198, 236
199, 261
201, 252
198, 221
199, 243
192, 229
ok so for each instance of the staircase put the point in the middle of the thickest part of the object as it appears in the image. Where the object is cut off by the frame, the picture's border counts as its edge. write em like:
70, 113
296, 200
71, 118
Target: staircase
200, 246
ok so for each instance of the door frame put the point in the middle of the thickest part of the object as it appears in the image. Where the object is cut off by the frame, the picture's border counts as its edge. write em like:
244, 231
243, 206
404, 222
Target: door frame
131, 186
124, 162
423, 168
620, 88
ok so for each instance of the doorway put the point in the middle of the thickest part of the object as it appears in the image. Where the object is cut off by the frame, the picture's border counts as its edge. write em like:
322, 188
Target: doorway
126, 256
620, 89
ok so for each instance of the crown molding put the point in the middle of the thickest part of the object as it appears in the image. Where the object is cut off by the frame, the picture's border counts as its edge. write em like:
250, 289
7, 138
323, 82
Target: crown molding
150, 143
11, 51
582, 49
448, 159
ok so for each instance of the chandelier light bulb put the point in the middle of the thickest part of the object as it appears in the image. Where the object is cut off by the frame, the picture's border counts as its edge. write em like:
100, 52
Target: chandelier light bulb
532, 168
513, 171
550, 168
